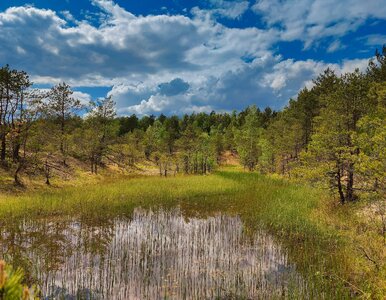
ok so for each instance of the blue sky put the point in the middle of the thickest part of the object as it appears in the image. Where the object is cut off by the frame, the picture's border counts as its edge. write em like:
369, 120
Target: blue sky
180, 56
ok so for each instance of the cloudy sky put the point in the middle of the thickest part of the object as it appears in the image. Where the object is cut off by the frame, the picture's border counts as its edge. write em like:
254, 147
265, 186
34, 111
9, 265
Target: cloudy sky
180, 56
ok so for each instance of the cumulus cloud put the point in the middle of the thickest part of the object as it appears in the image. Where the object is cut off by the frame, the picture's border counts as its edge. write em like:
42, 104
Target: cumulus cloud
175, 63
349, 65
174, 87
84, 51
268, 81
84, 98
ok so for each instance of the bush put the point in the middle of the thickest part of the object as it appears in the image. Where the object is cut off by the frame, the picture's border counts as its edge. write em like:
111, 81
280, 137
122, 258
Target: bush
11, 284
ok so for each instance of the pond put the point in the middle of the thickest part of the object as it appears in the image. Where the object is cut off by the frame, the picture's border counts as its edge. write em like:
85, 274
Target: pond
161, 254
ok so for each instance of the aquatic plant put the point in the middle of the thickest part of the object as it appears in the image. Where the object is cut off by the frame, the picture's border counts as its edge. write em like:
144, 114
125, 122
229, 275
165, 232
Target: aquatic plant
158, 254
316, 238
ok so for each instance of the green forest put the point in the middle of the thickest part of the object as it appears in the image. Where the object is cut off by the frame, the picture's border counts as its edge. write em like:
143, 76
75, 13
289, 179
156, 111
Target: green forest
332, 134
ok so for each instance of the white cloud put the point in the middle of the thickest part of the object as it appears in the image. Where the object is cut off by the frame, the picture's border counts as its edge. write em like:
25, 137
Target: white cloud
311, 20
68, 16
351, 65
153, 105
375, 39
229, 9
270, 81
334, 46
173, 63
145, 44
84, 98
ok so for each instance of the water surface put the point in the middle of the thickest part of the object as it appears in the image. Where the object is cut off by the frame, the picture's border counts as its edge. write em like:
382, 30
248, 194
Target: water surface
152, 255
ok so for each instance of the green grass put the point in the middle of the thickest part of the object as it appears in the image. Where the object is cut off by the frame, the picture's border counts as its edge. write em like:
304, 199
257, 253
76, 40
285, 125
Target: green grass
119, 196
302, 218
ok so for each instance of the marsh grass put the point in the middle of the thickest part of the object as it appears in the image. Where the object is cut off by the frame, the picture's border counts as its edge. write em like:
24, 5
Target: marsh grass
294, 214
157, 254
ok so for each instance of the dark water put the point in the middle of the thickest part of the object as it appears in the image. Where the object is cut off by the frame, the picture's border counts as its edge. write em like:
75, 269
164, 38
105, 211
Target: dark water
152, 255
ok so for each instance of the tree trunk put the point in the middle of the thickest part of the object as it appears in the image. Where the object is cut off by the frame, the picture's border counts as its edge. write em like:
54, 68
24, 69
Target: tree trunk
283, 166
186, 164
47, 171
62, 150
16, 150
18, 182
3, 147
339, 184
350, 183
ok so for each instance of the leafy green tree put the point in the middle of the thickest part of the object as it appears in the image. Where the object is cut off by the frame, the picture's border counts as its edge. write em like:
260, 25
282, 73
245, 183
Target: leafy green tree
98, 132
128, 149
13, 110
172, 126
247, 140
7, 78
61, 107
128, 124
332, 145
305, 109
187, 145
377, 66
19, 108
267, 158
150, 139
146, 121
29, 111
285, 135
157, 147
217, 142
370, 138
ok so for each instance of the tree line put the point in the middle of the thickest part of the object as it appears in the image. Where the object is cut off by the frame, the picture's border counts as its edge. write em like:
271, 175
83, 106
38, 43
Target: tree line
332, 134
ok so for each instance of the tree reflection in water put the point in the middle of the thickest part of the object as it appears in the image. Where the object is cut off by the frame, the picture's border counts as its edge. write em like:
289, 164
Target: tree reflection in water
152, 255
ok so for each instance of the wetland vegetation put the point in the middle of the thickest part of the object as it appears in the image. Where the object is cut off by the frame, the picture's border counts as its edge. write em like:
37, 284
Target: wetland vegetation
300, 213
301, 246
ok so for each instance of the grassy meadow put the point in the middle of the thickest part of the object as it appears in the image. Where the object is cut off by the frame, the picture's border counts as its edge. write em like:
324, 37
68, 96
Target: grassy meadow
321, 237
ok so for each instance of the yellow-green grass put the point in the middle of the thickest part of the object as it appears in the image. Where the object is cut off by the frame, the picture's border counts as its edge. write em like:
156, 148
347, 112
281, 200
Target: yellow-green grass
302, 218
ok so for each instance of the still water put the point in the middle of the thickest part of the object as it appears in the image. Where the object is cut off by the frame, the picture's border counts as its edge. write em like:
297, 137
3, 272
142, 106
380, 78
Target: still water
151, 255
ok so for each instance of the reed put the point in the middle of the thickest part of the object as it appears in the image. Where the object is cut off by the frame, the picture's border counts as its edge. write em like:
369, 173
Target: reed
293, 218
164, 254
